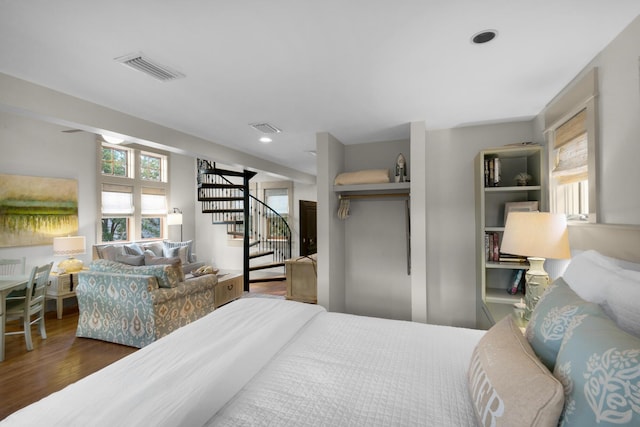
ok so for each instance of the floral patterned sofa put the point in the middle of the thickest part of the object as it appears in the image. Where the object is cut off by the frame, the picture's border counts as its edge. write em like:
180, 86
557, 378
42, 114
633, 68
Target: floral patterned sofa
136, 305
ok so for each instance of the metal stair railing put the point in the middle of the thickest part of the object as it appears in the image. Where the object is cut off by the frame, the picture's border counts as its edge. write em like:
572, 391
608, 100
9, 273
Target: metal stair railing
265, 232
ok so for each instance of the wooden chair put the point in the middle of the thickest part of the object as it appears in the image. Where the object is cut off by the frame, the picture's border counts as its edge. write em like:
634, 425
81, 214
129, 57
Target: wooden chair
33, 304
9, 267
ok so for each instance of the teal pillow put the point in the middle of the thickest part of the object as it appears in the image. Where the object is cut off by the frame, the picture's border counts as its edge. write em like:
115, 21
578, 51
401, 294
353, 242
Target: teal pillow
552, 315
599, 368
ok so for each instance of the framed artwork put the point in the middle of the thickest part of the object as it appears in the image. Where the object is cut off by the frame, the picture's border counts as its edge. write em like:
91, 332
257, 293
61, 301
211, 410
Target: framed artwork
531, 206
34, 210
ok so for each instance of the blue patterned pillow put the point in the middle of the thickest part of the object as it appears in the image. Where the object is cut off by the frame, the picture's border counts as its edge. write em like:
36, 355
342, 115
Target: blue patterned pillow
599, 368
549, 321
168, 246
168, 276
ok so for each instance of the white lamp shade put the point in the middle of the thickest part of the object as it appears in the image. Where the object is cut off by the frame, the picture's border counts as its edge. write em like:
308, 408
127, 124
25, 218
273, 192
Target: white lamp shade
174, 219
68, 246
536, 234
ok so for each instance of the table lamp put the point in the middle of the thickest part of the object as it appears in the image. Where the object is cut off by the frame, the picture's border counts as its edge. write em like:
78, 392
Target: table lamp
175, 218
536, 235
69, 246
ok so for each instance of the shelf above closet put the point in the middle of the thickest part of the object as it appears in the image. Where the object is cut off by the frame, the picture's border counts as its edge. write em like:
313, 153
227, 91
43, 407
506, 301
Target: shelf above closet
389, 187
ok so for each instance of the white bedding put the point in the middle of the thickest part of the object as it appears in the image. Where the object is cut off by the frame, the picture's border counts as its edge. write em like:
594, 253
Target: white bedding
273, 362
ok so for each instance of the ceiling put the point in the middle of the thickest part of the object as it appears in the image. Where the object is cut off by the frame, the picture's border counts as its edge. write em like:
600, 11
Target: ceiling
359, 69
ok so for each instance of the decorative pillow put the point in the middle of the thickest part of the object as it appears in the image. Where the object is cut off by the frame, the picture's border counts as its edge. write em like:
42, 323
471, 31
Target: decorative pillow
109, 252
179, 252
168, 245
130, 259
155, 247
508, 384
175, 262
599, 367
551, 317
588, 273
167, 275
133, 249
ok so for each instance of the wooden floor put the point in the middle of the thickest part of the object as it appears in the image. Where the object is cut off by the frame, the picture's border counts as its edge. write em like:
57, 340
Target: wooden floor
62, 359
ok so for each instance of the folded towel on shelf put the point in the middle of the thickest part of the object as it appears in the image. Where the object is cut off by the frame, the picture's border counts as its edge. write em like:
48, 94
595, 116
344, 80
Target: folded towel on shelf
367, 176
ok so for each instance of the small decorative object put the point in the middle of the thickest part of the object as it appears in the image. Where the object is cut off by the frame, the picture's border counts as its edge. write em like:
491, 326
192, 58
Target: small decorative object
205, 269
518, 309
522, 178
401, 168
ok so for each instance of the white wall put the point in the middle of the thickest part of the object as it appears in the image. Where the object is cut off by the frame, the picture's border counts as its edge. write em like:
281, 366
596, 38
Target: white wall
619, 111
31, 147
450, 216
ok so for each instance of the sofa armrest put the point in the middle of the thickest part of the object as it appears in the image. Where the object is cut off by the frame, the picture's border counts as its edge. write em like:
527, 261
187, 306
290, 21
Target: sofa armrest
191, 286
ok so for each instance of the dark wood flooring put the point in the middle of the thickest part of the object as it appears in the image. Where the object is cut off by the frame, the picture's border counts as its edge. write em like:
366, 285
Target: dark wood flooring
62, 359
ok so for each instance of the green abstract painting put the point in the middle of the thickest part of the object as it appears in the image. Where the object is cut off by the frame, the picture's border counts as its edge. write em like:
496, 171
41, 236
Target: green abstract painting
34, 210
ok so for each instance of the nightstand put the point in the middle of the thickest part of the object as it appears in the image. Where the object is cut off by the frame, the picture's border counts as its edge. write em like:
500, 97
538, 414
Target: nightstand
61, 286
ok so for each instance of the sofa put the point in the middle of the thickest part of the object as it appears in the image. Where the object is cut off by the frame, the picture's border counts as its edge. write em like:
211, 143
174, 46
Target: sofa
148, 252
136, 305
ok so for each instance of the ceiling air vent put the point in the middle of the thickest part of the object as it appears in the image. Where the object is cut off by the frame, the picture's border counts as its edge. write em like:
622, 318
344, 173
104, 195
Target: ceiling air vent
139, 62
265, 127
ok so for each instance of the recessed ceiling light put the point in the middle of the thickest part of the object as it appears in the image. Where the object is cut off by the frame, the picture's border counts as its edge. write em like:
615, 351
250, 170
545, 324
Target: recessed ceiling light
483, 36
265, 140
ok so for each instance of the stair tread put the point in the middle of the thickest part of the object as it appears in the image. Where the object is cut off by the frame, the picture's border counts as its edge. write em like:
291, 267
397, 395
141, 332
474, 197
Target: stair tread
268, 279
267, 265
259, 254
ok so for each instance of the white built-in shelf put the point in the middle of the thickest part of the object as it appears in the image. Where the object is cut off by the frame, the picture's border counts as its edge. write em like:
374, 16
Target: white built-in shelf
390, 187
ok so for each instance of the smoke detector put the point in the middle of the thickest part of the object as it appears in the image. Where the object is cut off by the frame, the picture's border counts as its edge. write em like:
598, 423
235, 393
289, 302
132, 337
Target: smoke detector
140, 62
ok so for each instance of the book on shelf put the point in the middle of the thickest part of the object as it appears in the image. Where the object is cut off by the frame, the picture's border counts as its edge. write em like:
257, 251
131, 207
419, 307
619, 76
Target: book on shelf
516, 281
512, 258
492, 171
492, 246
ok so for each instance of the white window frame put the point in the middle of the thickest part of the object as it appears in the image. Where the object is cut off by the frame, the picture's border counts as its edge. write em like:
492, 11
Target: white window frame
582, 95
134, 232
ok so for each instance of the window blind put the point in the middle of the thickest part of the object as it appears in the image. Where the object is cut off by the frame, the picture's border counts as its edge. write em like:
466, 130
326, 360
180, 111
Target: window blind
153, 201
117, 200
571, 150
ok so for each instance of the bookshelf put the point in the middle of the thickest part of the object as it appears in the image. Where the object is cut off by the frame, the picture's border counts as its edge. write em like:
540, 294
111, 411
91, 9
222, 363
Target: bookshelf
492, 195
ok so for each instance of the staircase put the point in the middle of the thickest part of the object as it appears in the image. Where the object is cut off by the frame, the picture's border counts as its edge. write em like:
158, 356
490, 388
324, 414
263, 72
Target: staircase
266, 235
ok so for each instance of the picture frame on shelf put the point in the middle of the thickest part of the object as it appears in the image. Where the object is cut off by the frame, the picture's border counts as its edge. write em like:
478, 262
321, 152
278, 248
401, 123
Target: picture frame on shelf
531, 206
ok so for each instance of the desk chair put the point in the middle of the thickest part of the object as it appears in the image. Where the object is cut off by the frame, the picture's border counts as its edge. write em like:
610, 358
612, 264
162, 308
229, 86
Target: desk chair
33, 304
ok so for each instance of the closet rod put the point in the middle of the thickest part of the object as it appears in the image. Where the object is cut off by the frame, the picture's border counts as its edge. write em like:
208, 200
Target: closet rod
372, 196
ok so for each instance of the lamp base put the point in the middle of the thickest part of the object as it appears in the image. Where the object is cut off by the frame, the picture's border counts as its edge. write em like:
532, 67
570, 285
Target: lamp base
70, 265
536, 281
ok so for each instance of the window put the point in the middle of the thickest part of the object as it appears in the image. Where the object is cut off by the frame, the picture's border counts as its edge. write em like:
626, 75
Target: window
278, 200
115, 161
134, 192
570, 169
572, 142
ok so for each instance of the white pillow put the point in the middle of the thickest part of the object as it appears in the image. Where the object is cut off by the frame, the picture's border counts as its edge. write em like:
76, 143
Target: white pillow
588, 274
602, 280
622, 301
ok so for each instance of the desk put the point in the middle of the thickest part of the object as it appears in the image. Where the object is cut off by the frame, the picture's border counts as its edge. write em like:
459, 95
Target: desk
8, 284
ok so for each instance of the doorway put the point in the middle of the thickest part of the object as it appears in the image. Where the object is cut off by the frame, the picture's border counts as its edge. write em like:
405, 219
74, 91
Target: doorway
308, 227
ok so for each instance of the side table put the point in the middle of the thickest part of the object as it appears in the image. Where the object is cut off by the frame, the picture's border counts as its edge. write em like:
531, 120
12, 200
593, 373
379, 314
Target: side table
230, 286
61, 286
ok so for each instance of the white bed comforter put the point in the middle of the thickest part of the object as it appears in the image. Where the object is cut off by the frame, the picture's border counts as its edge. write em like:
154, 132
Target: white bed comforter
272, 362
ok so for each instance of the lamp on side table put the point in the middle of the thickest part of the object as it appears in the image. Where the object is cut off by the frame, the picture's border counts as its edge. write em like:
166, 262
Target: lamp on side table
536, 235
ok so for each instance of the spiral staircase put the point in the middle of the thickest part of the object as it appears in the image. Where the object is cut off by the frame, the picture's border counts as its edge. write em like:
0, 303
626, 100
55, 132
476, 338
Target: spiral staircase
265, 233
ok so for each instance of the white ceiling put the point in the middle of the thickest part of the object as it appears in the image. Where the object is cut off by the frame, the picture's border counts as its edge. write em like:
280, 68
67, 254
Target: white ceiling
359, 69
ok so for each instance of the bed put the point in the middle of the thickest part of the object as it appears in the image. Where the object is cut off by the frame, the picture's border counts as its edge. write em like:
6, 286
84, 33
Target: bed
260, 361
